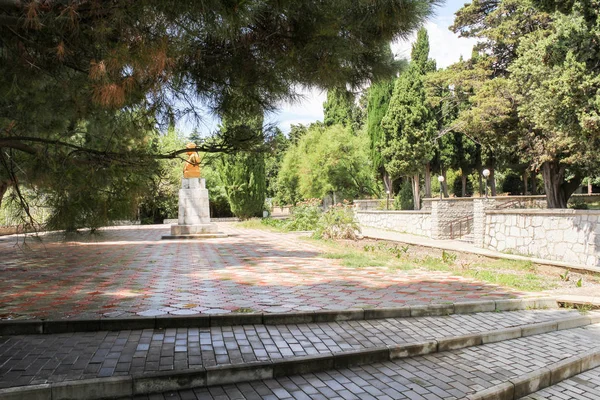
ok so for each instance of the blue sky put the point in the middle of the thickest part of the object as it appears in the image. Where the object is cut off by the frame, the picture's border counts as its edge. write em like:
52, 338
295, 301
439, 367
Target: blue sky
446, 48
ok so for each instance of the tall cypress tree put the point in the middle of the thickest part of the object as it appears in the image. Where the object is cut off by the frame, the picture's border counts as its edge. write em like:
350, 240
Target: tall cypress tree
409, 124
243, 173
338, 108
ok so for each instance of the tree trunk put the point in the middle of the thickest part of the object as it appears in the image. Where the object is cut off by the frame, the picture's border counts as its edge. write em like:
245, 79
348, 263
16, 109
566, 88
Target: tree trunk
4, 185
463, 181
558, 191
427, 181
590, 190
416, 195
492, 181
534, 184
387, 183
525, 182
445, 185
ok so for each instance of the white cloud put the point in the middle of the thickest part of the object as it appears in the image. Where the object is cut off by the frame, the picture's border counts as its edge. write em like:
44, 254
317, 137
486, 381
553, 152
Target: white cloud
309, 108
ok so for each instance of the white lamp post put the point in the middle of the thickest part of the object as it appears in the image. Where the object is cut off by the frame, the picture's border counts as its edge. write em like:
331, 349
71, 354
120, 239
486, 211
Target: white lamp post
441, 181
387, 192
486, 174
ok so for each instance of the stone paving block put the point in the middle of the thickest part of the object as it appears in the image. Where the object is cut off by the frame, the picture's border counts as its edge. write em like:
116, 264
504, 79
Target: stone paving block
359, 357
501, 335
343, 315
458, 342
543, 303
503, 391
173, 321
165, 381
21, 327
572, 322
536, 329
287, 318
120, 324
590, 360
565, 369
235, 319
78, 325
431, 310
32, 392
510, 305
303, 365
100, 388
531, 382
474, 307
413, 349
222, 375
380, 313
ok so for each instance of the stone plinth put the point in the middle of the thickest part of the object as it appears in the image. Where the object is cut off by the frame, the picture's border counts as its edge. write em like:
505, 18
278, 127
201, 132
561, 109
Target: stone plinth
194, 213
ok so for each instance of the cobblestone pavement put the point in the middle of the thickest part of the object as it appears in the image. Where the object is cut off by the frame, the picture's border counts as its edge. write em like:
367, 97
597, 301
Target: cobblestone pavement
36, 359
448, 375
128, 271
585, 386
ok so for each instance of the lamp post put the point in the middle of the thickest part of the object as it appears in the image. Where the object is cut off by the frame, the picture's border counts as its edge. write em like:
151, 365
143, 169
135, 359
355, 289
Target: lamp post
387, 192
486, 174
441, 181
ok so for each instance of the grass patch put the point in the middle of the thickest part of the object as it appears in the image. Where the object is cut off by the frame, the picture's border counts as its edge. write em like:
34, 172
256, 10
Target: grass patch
515, 274
357, 260
268, 224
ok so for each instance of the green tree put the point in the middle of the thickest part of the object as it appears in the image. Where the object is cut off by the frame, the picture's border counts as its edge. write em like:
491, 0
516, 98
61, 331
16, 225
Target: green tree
379, 96
327, 161
243, 177
557, 82
338, 108
83, 84
409, 124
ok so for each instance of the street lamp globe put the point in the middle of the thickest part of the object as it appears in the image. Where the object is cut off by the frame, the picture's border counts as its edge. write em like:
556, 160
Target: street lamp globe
486, 172
440, 179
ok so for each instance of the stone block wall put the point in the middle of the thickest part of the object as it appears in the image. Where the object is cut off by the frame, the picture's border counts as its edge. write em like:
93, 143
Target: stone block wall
372, 204
413, 222
446, 215
562, 235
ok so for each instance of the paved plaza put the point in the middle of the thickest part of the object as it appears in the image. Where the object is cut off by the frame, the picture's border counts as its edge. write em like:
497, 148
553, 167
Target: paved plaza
130, 271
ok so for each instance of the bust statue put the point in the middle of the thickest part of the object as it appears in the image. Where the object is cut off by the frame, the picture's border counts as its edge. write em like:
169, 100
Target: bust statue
191, 169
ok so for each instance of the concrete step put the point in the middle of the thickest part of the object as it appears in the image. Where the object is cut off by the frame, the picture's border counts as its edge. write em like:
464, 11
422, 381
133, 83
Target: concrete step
148, 361
511, 369
584, 386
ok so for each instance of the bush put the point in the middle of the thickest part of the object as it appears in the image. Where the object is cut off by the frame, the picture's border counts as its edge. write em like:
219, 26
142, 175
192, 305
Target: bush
305, 216
337, 223
404, 198
513, 185
577, 204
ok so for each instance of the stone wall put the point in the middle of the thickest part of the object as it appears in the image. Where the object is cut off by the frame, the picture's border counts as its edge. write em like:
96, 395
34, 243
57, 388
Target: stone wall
562, 235
511, 201
448, 216
373, 204
413, 222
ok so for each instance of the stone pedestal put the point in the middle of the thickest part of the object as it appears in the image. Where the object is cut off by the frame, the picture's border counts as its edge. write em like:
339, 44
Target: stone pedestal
194, 213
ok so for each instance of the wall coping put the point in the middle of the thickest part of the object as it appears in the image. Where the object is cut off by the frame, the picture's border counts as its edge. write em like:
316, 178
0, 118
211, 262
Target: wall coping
546, 211
367, 200
488, 198
393, 212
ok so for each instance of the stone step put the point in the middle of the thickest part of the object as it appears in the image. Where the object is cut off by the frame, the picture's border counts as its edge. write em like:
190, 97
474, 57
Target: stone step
511, 369
26, 327
147, 361
584, 386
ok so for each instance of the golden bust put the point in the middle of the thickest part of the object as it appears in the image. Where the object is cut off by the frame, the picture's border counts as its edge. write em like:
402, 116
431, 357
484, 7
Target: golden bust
191, 168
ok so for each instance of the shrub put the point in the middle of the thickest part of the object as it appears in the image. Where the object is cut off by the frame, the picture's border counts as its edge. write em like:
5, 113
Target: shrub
305, 216
404, 198
512, 184
337, 223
